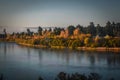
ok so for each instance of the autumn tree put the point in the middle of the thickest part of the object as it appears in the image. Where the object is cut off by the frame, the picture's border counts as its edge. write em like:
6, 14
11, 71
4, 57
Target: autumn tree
80, 28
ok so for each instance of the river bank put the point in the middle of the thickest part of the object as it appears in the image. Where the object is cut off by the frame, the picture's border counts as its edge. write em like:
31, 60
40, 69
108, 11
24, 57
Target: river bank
100, 49
84, 48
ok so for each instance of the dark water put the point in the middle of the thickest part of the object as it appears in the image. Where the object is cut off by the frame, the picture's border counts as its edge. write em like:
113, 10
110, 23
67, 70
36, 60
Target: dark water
25, 63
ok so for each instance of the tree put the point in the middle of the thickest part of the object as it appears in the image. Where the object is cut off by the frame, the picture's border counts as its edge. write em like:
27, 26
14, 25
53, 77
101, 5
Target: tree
71, 28
28, 32
98, 29
91, 29
87, 41
109, 29
80, 28
57, 31
116, 29
5, 33
50, 30
4, 30
39, 30
76, 43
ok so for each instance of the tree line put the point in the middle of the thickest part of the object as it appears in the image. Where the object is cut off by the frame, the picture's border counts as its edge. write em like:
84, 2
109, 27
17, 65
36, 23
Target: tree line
111, 29
107, 36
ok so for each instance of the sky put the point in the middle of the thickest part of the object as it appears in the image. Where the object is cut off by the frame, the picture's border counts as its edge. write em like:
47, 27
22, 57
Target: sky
17, 14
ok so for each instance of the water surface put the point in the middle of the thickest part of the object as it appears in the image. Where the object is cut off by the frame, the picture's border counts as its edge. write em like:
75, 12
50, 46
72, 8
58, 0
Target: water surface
26, 63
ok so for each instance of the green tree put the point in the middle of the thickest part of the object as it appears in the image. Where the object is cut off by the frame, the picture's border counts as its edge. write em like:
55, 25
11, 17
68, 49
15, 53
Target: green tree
116, 29
71, 28
57, 31
109, 29
76, 43
39, 30
28, 32
100, 30
91, 29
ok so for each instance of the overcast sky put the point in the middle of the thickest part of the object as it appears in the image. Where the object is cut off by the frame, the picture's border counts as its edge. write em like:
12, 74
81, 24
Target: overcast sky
22, 13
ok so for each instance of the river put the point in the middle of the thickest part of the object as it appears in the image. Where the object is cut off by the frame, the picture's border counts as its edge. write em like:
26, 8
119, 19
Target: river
26, 63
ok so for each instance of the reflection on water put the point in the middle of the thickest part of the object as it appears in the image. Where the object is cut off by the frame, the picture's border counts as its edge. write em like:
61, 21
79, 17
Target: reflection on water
29, 62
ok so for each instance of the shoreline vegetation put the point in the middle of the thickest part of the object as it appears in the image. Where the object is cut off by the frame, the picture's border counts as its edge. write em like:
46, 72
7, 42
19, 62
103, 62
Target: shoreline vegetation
83, 48
100, 49
90, 38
